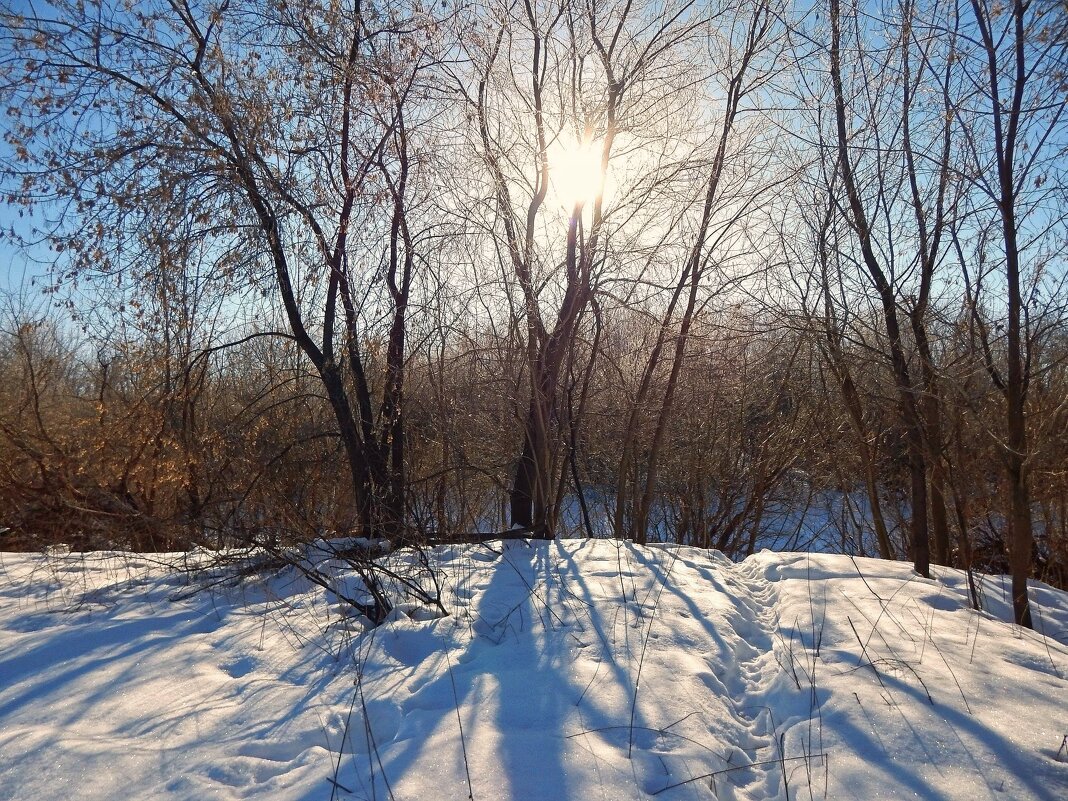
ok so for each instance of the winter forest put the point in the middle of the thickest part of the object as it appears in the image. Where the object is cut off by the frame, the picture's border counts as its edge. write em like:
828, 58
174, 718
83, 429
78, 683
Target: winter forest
379, 294
669, 271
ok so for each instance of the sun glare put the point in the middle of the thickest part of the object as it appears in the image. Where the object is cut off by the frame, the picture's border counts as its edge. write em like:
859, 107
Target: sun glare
575, 172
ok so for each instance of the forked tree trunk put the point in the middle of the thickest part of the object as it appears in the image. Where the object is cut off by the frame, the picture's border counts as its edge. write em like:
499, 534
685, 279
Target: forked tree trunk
919, 546
1006, 117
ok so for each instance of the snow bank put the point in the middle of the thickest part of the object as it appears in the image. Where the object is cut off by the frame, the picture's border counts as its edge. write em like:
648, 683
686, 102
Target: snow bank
573, 669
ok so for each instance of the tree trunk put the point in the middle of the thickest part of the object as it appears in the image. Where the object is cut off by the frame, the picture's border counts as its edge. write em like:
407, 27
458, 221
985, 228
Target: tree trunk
1006, 118
918, 529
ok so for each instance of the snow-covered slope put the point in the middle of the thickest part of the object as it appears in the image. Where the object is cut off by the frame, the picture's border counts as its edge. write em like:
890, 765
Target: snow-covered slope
567, 670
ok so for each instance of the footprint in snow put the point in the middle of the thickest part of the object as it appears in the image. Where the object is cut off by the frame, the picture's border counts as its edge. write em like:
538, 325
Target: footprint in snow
373, 725
239, 667
410, 646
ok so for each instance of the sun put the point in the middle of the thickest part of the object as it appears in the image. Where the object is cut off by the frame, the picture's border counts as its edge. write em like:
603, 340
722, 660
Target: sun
575, 173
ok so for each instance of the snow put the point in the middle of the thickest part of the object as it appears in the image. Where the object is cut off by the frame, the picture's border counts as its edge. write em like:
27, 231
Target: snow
585, 669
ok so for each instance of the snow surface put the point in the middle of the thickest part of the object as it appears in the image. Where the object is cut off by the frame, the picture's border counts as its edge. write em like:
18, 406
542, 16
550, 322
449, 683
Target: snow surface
576, 669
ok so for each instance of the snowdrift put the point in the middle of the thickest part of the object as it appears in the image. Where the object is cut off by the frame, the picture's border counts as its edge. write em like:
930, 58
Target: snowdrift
576, 669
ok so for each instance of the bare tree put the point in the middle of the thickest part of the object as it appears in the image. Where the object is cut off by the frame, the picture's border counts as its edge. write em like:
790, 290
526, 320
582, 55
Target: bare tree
1015, 141
279, 132
591, 76
909, 174
747, 35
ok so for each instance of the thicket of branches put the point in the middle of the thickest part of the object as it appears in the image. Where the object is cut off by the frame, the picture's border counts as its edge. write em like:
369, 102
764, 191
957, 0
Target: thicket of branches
323, 266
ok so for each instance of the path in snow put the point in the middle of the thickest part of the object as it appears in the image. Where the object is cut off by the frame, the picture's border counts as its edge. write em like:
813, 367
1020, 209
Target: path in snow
566, 690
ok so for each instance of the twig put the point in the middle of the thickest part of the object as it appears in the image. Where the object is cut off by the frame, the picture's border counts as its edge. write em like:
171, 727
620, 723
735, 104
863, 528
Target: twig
714, 774
782, 764
864, 652
641, 659
460, 725
662, 731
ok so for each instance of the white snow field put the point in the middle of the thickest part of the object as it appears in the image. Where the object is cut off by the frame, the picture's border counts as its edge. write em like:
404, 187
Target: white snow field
575, 669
